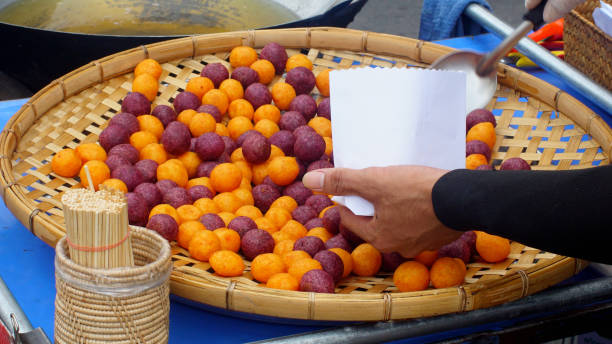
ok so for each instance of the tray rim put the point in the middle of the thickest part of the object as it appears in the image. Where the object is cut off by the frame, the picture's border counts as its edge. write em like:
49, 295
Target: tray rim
468, 297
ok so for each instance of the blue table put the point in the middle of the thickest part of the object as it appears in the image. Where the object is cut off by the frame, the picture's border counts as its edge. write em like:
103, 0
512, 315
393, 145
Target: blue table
27, 263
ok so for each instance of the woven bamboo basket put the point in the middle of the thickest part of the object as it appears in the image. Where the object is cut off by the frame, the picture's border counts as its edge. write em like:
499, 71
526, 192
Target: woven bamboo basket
587, 47
121, 305
536, 121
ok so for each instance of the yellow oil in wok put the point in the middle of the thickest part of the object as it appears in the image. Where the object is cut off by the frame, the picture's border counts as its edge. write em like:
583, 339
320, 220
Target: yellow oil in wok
146, 17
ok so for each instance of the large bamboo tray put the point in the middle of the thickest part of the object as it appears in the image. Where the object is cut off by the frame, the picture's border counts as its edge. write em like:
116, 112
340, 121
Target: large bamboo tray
536, 121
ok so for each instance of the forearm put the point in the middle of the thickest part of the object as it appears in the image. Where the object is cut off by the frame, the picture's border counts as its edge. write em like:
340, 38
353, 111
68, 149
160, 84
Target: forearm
565, 212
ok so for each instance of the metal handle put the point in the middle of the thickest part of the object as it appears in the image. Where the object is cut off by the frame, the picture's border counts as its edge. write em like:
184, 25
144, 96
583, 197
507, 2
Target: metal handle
8, 306
544, 59
489, 61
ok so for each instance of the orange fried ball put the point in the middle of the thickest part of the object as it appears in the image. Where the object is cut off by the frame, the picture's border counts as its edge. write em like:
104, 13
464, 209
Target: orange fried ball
227, 263
66, 163
265, 265
427, 257
411, 276
447, 272
322, 82
474, 160
199, 85
186, 232
483, 131
283, 170
91, 151
217, 98
232, 88
242, 56
240, 107
492, 248
98, 171
225, 177
283, 281
165, 209
140, 139
230, 240
148, 66
298, 60
293, 256
203, 245
366, 260
265, 70
282, 94
116, 184
147, 85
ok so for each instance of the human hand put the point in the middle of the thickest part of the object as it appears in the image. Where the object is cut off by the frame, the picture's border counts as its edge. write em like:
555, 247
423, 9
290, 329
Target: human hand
554, 9
404, 220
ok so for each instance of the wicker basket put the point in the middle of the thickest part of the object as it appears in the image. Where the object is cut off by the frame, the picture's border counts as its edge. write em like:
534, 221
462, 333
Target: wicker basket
121, 305
587, 47
536, 121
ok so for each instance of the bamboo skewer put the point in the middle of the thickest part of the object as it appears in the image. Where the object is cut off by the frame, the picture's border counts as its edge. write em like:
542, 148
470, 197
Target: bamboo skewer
97, 228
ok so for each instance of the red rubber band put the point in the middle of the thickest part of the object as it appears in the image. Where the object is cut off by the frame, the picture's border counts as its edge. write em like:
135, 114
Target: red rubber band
98, 248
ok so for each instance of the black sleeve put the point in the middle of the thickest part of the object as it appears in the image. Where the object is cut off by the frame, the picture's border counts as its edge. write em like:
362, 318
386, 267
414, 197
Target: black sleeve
565, 212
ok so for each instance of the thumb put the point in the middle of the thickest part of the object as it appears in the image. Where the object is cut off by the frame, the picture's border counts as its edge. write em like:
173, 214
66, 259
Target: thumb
337, 181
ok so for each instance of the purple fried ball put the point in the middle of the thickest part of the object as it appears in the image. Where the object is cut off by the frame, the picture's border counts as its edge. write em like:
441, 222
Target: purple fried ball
165, 185
324, 109
331, 219
304, 104
390, 261
298, 192
209, 146
245, 75
303, 214
165, 114
164, 225
515, 164
479, 116
268, 181
310, 244
186, 100
177, 197
136, 104
456, 249
318, 281
114, 161
113, 135
303, 129
284, 140
128, 174
137, 209
150, 193
230, 145
176, 139
126, 120
314, 223
477, 147
331, 263
148, 169
256, 242
485, 168
351, 237
302, 79
276, 54
224, 158
319, 164
319, 202
199, 191
256, 149
246, 135
216, 72
127, 151
291, 120
309, 147
469, 238
242, 224
211, 110
204, 168
264, 196
258, 94
212, 221
338, 241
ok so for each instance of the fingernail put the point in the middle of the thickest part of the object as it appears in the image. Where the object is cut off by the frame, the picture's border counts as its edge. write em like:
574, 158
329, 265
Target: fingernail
314, 180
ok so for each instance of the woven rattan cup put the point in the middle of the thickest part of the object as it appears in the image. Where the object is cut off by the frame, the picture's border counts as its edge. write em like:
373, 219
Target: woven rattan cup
121, 305
536, 121
587, 47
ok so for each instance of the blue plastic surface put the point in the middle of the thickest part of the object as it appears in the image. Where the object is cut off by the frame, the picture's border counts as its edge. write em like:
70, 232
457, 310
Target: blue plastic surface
27, 266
